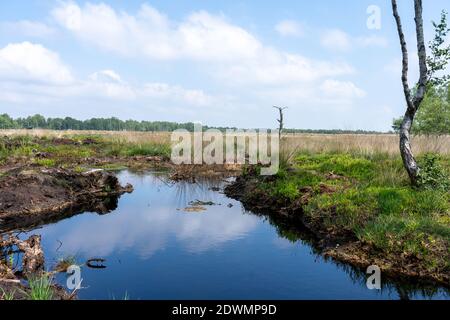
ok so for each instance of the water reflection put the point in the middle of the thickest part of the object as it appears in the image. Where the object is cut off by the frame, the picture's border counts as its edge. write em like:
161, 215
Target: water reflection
156, 250
405, 289
152, 216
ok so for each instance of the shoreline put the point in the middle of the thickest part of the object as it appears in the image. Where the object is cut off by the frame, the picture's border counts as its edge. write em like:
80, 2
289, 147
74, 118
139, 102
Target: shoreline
342, 246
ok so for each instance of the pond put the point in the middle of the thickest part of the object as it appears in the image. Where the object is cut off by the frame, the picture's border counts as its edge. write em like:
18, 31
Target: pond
155, 249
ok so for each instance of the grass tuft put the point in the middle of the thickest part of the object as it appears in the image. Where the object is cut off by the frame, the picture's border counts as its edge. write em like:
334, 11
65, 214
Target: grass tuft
40, 288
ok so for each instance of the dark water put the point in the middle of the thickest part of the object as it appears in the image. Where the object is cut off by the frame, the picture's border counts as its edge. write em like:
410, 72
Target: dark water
155, 251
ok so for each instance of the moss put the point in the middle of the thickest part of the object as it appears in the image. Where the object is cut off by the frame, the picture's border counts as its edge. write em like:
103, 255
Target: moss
45, 162
286, 189
342, 164
370, 197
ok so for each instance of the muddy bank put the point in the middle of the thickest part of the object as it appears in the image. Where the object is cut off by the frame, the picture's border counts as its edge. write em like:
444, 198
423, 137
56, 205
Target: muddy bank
32, 195
339, 245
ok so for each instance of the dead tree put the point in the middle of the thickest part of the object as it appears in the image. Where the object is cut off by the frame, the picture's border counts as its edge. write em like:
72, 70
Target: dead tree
281, 120
413, 101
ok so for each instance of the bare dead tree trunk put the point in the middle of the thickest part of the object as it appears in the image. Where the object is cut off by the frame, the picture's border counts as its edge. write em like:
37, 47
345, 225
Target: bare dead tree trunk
281, 120
413, 103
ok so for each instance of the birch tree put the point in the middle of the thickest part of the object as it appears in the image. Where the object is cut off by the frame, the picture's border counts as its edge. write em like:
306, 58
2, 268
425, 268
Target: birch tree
413, 100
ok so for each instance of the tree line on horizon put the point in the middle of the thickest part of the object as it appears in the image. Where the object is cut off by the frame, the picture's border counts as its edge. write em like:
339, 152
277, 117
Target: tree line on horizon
38, 121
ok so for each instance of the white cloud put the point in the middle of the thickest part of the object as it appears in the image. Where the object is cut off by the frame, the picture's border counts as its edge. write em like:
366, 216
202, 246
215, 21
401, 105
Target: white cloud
200, 36
107, 85
204, 36
250, 73
165, 91
106, 76
336, 40
228, 53
289, 28
28, 28
341, 89
32, 62
69, 15
272, 67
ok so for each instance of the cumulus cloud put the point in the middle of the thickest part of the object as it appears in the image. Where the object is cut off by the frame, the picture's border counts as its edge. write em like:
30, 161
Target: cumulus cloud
151, 34
240, 57
104, 84
289, 28
32, 62
250, 73
30, 71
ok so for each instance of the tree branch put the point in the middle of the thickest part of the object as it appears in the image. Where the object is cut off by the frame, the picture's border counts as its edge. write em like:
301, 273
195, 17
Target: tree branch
404, 48
423, 80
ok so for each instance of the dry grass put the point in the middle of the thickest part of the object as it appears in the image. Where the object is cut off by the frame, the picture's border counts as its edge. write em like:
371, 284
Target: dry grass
133, 137
364, 144
316, 143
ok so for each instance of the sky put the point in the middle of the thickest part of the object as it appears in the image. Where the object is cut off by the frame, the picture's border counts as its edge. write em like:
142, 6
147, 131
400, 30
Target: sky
334, 64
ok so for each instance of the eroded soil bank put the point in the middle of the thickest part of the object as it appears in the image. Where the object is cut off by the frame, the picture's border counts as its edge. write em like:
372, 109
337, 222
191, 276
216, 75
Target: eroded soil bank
341, 245
31, 195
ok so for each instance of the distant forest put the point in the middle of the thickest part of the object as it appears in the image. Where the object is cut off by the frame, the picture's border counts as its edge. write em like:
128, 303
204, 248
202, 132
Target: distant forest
115, 124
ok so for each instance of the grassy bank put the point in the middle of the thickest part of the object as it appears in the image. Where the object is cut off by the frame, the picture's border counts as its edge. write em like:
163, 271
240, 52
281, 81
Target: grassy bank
348, 198
73, 149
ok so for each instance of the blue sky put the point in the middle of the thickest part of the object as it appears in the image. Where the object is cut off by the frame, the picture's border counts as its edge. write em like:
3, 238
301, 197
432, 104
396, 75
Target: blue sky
218, 62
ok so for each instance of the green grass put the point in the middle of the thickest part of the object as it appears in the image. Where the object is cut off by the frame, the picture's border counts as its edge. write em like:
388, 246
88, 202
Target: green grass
371, 198
130, 150
46, 162
40, 288
4, 295
16, 147
61, 154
